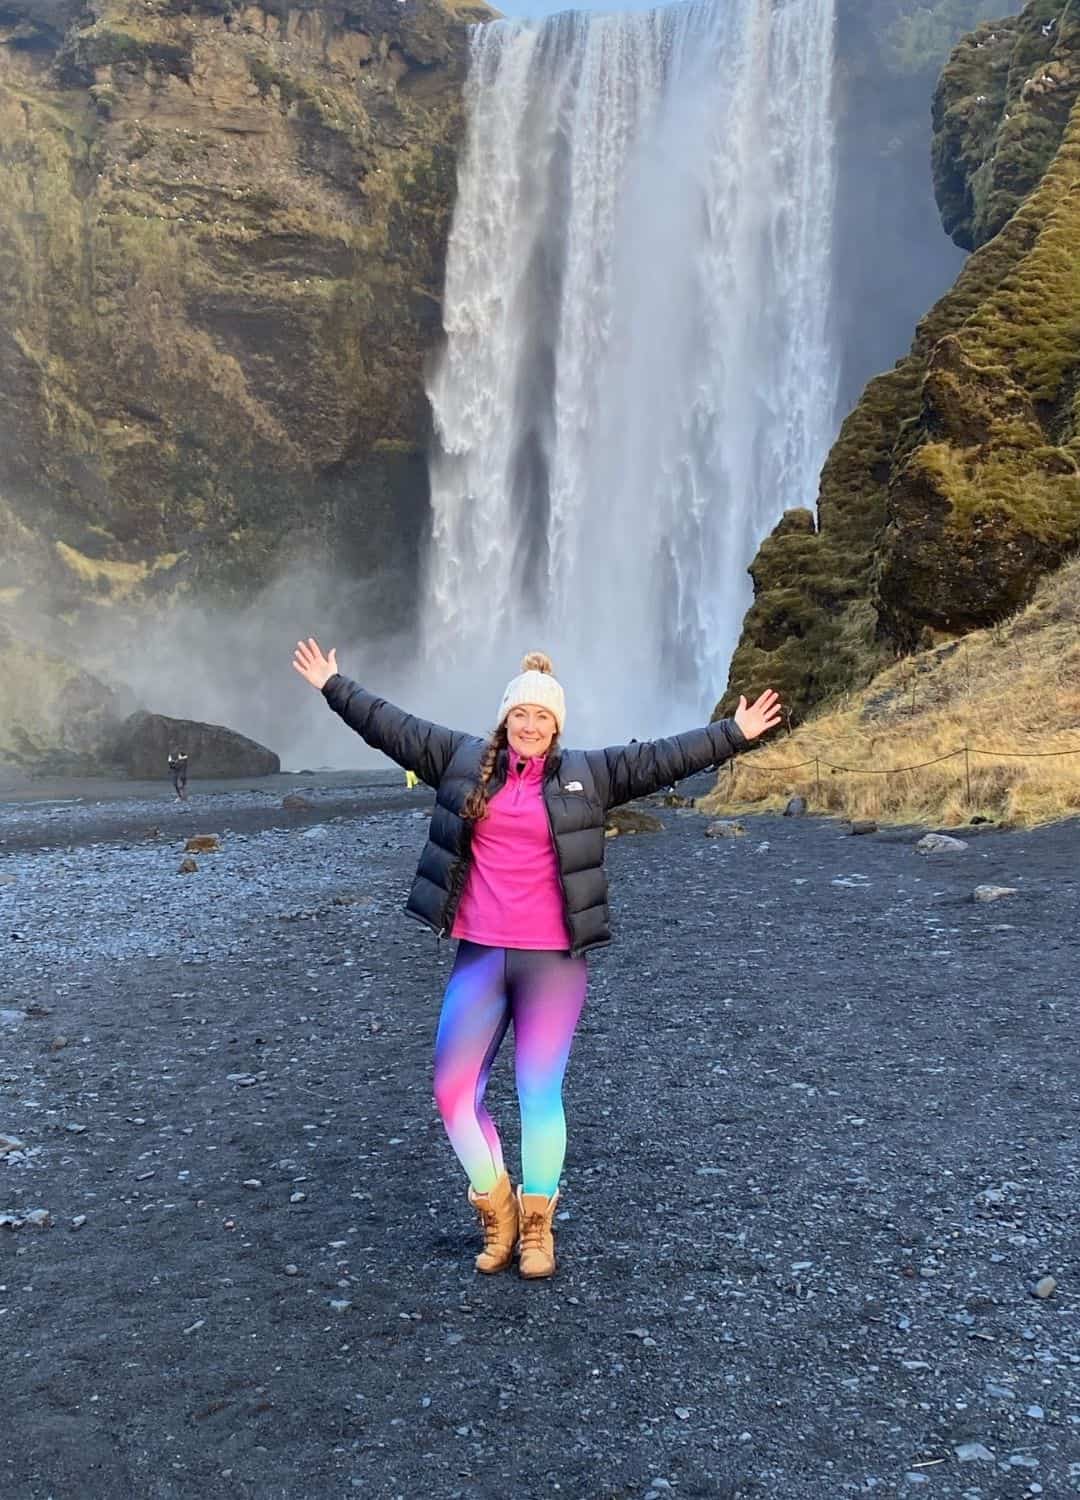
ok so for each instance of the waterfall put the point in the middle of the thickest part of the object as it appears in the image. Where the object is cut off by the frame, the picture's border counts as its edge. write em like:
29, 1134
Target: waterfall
637, 378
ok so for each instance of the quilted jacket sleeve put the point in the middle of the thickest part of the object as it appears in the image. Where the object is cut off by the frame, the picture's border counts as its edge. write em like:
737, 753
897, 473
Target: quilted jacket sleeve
624, 772
415, 744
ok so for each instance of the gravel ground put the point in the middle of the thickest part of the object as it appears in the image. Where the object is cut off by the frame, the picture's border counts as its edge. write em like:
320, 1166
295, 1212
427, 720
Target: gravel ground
823, 1116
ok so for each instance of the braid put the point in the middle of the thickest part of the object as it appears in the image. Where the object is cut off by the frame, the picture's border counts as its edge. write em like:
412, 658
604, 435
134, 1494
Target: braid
476, 803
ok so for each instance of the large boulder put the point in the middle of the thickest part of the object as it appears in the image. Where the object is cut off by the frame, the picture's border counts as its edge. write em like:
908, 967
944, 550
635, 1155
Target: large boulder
144, 741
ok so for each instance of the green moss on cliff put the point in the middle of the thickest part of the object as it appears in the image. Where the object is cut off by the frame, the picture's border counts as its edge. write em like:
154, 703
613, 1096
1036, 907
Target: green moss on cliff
1000, 111
221, 252
955, 483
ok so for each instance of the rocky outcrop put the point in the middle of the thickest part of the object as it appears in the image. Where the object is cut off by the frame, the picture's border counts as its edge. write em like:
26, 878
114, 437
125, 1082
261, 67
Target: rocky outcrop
221, 243
1000, 112
143, 743
54, 716
955, 482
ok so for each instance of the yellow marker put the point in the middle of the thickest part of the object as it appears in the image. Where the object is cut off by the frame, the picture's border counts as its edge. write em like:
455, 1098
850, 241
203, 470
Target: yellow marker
410, 780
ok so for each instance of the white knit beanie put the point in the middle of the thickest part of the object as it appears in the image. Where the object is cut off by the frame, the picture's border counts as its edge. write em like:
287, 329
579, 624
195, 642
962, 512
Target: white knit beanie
537, 685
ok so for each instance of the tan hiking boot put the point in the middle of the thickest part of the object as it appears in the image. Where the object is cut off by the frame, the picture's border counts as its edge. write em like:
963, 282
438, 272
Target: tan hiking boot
537, 1238
498, 1212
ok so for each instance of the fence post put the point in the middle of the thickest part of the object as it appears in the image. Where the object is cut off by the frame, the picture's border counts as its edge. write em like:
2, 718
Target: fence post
967, 773
817, 778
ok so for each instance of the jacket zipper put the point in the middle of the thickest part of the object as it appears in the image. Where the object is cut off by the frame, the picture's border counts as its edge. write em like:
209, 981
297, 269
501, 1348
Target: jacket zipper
558, 868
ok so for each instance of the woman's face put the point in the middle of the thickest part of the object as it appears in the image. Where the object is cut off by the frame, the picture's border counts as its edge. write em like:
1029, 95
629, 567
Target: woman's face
530, 729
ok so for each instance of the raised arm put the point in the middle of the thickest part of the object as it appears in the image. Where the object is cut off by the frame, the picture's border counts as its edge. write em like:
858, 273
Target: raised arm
415, 744
625, 772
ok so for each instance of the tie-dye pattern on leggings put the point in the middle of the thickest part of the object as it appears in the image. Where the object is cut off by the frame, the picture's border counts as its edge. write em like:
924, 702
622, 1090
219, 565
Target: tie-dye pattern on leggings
542, 993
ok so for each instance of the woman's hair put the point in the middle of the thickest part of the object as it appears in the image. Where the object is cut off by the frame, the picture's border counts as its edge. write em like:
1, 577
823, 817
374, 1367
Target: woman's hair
476, 802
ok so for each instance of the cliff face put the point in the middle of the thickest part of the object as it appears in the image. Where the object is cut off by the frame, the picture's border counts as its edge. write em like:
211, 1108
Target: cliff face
222, 228
892, 260
955, 482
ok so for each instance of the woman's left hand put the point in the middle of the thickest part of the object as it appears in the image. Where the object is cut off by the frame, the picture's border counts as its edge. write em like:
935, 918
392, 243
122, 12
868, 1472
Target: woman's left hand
759, 717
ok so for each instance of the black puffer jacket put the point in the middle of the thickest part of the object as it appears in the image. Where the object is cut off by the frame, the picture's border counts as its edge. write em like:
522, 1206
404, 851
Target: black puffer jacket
579, 787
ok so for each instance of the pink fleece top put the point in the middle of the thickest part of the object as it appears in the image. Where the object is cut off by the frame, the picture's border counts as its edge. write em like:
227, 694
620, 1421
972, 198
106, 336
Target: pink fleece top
513, 895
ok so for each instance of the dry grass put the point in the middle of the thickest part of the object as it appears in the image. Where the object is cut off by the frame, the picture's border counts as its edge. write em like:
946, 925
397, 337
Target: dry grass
1014, 688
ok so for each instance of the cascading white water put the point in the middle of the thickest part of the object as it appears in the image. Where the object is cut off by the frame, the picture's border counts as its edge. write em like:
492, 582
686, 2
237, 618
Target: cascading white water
637, 378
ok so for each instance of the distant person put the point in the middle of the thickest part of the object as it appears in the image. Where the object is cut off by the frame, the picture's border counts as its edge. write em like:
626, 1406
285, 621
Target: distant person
411, 780
178, 769
513, 868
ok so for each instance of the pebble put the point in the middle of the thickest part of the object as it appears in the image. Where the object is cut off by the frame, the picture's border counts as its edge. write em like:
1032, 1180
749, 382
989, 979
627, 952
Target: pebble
340, 1305
1036, 1413
252, 1182
725, 828
994, 892
939, 843
78, 1221
291, 1270
297, 1197
1045, 1287
9, 1143
970, 1453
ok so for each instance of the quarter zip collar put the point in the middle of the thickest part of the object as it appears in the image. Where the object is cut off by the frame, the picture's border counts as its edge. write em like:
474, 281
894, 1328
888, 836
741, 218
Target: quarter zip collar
526, 767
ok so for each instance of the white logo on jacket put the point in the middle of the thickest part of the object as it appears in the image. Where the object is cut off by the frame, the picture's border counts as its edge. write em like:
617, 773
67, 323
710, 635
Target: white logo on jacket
573, 786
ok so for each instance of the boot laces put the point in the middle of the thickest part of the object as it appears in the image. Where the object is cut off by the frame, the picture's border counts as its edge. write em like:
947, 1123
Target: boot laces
532, 1231
490, 1220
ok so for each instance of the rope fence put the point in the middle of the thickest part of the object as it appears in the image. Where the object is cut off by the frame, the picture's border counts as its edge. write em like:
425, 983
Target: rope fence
746, 763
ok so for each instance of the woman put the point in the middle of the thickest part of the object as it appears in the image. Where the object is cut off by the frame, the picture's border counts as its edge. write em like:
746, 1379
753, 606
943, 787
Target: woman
513, 868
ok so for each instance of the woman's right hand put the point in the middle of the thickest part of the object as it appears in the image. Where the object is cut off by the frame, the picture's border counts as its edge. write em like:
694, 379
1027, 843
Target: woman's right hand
312, 665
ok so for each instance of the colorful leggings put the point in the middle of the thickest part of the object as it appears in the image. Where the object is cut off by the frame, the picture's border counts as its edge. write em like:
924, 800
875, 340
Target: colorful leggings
542, 992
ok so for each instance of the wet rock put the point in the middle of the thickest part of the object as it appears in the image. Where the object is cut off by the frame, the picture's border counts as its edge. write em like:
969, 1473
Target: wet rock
939, 843
863, 825
725, 828
796, 808
1045, 1287
295, 802
187, 867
